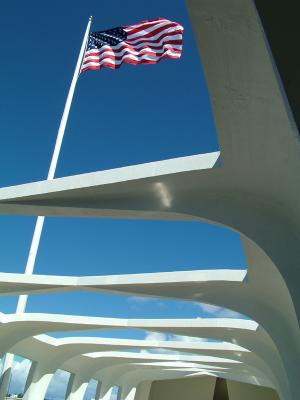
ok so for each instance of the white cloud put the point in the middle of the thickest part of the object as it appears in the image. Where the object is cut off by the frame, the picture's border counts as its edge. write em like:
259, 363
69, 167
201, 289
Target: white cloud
91, 390
58, 385
137, 302
140, 300
168, 336
226, 313
189, 339
19, 374
220, 312
157, 336
209, 308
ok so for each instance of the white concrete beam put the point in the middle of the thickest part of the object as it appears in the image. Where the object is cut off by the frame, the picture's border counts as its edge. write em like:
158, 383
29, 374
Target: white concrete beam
37, 382
77, 387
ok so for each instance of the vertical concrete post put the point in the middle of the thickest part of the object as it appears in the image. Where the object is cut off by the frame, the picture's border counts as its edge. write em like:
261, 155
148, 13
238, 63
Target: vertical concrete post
143, 390
221, 391
119, 394
105, 392
128, 393
98, 390
70, 384
76, 387
5, 375
30, 375
37, 382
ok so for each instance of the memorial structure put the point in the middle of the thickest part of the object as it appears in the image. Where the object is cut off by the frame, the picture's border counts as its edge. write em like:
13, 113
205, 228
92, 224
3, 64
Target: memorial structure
251, 186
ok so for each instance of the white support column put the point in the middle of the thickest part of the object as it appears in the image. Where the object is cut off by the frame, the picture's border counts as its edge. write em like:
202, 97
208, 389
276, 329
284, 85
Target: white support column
119, 394
5, 374
69, 387
77, 386
105, 392
98, 390
128, 393
37, 382
30, 375
143, 390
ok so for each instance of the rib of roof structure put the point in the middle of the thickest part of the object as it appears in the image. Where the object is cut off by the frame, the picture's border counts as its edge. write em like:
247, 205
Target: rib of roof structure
251, 187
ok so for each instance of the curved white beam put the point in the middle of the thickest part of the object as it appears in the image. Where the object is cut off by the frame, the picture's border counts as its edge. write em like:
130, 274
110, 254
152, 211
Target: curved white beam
52, 353
245, 333
56, 351
255, 191
12, 283
263, 312
15, 329
221, 287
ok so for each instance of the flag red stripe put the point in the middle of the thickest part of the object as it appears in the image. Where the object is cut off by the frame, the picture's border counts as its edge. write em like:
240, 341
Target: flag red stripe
143, 24
165, 26
118, 58
151, 37
135, 48
131, 30
131, 50
152, 40
128, 61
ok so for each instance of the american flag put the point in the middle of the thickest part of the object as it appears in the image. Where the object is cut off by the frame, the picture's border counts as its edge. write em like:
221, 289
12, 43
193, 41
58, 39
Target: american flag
144, 43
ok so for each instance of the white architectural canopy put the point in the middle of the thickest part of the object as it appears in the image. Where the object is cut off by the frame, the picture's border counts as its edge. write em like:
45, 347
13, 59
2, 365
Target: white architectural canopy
251, 186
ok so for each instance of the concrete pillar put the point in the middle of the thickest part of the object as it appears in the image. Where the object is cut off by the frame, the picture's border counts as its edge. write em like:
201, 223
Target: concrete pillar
5, 375
119, 394
143, 390
105, 393
37, 382
30, 375
221, 391
76, 387
128, 393
98, 390
69, 387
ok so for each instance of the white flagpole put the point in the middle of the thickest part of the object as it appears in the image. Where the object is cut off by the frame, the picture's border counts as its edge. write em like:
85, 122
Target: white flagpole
61, 130
22, 301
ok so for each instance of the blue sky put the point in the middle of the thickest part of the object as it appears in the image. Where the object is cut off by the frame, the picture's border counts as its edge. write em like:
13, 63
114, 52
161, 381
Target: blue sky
129, 116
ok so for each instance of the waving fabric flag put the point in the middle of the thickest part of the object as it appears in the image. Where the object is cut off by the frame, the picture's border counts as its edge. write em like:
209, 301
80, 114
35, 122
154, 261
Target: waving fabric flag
145, 43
